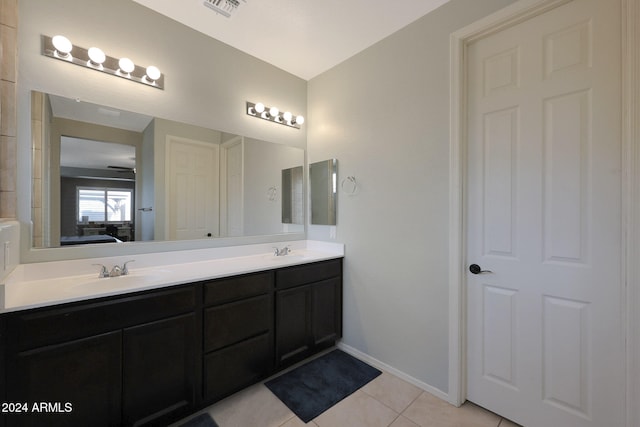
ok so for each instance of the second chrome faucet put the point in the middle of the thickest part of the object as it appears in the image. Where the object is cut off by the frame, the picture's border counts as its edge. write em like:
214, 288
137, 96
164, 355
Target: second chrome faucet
116, 270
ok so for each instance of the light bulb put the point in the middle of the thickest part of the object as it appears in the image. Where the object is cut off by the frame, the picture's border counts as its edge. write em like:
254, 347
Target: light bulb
62, 44
126, 65
287, 116
273, 111
153, 73
96, 55
299, 120
259, 107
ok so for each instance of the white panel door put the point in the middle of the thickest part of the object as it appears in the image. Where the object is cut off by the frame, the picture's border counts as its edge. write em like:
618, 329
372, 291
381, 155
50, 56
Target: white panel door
235, 190
545, 338
192, 189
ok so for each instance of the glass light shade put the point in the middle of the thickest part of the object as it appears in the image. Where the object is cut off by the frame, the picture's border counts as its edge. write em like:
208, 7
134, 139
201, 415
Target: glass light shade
299, 120
287, 116
62, 44
153, 72
126, 65
96, 55
259, 107
273, 111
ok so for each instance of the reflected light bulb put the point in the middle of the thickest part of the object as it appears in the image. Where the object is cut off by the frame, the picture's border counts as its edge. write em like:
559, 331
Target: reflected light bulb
153, 73
62, 45
126, 65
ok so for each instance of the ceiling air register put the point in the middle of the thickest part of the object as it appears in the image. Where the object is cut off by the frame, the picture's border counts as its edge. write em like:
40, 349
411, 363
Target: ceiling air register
223, 7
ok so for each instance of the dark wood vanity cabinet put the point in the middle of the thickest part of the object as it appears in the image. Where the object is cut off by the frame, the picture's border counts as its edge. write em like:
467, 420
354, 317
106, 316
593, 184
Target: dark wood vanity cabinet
128, 360
308, 309
238, 333
153, 357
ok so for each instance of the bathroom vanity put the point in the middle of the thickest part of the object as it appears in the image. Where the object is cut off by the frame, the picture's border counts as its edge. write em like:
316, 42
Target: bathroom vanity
152, 356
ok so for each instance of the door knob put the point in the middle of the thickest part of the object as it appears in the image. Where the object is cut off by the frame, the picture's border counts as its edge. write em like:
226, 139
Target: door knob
476, 269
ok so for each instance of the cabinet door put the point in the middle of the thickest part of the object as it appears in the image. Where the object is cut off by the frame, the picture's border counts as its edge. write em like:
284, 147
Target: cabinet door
78, 382
293, 324
237, 366
159, 370
326, 313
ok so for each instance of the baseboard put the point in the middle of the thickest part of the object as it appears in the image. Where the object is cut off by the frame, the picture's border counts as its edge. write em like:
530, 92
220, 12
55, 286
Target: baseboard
390, 369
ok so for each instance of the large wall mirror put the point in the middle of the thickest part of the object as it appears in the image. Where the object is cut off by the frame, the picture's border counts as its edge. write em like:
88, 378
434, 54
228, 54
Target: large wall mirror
105, 175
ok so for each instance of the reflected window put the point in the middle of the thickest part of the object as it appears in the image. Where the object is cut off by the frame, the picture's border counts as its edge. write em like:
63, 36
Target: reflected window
104, 204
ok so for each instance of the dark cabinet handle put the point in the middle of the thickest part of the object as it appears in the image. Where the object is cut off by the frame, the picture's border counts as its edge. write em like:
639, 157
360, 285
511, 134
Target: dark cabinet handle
476, 269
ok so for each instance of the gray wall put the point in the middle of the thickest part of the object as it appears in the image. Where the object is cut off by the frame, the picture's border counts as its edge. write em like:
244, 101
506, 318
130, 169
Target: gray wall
384, 114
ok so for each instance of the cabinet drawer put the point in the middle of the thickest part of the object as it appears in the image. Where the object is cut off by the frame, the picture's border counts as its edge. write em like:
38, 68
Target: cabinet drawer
236, 367
234, 288
48, 326
234, 322
308, 273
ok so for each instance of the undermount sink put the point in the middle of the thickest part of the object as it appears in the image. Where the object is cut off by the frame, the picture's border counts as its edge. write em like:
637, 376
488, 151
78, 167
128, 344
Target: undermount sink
119, 282
285, 258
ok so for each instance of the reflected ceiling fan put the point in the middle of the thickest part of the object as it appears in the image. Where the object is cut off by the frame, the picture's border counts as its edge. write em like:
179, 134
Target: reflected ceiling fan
122, 169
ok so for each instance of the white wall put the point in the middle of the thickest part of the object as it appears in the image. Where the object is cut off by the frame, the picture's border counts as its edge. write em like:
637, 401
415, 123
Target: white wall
384, 114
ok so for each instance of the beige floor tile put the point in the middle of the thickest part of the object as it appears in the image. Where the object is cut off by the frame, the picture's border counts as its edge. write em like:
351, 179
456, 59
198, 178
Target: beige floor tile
254, 406
429, 411
402, 421
357, 410
297, 422
397, 394
506, 423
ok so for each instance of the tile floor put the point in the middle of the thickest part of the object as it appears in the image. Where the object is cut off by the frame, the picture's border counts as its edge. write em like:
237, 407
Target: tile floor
387, 401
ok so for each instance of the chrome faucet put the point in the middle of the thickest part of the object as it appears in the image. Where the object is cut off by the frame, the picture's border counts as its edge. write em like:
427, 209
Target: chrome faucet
116, 270
282, 252
103, 271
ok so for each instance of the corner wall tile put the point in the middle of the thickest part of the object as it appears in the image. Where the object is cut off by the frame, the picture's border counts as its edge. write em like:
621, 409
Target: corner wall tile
8, 108
8, 204
8, 65
9, 12
8, 150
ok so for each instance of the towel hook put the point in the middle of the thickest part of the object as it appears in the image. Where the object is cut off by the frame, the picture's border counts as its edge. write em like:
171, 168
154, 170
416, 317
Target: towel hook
349, 185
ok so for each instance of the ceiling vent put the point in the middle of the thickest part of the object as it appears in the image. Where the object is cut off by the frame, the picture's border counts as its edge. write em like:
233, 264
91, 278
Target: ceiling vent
223, 7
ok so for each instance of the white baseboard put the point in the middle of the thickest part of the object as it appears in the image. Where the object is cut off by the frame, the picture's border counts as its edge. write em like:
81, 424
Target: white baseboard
390, 369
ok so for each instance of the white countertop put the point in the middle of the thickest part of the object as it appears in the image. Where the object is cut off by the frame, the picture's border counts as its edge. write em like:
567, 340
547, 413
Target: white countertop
44, 284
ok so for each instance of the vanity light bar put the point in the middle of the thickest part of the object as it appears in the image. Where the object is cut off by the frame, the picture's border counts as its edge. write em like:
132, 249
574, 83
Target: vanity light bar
273, 114
59, 47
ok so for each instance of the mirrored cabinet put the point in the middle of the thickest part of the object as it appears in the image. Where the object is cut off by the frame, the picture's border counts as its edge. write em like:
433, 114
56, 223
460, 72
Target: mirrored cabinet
322, 186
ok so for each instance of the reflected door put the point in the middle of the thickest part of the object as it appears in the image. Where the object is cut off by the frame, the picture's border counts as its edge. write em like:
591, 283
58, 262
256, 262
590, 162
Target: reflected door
192, 189
232, 198
545, 344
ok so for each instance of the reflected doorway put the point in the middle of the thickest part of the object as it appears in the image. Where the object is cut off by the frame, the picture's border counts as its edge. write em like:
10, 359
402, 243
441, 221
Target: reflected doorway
97, 191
